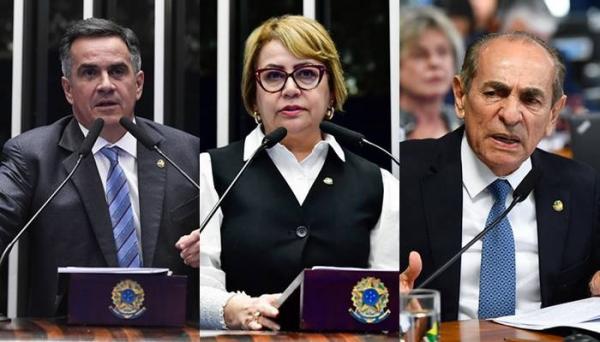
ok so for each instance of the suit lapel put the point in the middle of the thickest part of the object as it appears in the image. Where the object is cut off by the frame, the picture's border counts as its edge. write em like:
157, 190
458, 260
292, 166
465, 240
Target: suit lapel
151, 184
442, 197
86, 181
552, 225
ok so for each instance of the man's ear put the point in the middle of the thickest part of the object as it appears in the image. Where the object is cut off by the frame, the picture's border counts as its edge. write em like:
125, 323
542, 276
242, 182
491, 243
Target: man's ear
66, 85
139, 84
557, 107
459, 97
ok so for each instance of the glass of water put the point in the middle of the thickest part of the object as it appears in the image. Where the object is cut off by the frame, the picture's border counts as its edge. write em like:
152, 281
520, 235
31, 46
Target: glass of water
420, 315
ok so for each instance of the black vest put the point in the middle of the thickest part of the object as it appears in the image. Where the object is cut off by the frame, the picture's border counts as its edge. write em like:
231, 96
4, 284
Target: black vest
267, 238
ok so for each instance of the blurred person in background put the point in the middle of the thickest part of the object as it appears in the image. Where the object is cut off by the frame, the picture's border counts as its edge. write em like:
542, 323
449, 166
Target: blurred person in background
430, 52
533, 16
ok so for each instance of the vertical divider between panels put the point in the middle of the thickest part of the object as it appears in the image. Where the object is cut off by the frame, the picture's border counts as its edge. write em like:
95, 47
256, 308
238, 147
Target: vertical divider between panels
223, 37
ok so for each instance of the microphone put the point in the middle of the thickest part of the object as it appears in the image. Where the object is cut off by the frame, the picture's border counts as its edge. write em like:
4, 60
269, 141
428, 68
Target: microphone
519, 195
351, 137
140, 134
82, 152
268, 141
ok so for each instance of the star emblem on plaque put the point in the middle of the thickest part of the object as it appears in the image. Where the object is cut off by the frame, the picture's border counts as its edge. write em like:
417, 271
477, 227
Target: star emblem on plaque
370, 298
128, 299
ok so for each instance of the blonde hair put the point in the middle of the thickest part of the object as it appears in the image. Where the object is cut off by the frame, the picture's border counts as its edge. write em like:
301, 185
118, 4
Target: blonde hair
304, 38
415, 20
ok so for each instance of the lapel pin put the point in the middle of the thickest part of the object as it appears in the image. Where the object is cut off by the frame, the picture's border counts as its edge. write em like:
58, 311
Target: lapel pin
558, 206
328, 180
160, 163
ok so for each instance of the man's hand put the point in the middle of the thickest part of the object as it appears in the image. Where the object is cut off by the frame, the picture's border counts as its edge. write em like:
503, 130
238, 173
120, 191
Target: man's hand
189, 245
411, 273
251, 313
595, 284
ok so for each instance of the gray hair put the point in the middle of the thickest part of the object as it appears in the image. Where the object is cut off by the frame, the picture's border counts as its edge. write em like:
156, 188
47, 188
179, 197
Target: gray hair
471, 63
96, 27
414, 20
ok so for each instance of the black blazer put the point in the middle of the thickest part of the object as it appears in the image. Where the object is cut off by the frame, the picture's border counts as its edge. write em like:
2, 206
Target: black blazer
75, 229
431, 219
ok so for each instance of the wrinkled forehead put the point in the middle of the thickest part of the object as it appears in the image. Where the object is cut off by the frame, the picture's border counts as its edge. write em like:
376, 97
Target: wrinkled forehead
516, 61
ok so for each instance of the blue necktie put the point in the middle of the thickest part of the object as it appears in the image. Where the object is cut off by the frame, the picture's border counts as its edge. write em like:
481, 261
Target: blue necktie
497, 290
121, 212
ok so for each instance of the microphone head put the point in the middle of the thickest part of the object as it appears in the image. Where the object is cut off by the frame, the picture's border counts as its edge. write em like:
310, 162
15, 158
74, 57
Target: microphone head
343, 134
138, 132
274, 137
91, 137
526, 185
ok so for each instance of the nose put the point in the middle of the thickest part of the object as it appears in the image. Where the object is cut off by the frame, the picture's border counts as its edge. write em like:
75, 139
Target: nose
511, 112
106, 83
290, 89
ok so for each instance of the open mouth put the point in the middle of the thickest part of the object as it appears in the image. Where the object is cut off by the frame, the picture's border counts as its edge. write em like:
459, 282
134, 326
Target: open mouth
506, 139
106, 103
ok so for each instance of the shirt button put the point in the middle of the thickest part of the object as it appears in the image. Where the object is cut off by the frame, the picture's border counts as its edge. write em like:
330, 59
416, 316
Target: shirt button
301, 231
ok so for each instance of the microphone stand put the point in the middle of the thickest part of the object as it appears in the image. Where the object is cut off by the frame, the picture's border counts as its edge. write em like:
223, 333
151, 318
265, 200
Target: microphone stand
520, 194
382, 150
4, 318
218, 204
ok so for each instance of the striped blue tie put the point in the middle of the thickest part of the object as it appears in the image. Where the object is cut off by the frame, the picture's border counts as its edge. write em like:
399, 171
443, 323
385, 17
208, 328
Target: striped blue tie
497, 290
121, 212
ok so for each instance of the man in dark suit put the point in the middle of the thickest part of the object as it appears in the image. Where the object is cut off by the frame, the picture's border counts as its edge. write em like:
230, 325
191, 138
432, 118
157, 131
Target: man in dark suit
509, 94
83, 226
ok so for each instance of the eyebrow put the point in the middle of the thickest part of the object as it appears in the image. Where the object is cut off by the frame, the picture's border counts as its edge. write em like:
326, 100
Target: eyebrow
528, 91
92, 65
295, 66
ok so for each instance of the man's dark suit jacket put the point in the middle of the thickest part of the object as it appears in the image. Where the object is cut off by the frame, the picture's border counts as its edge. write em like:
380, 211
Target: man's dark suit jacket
431, 219
75, 229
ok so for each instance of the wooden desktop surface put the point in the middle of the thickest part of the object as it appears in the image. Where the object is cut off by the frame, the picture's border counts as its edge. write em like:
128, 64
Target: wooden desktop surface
43, 329
474, 331
470, 331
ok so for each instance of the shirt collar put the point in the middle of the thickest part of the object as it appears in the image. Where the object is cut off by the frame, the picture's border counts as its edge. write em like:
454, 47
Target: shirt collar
127, 142
254, 139
477, 176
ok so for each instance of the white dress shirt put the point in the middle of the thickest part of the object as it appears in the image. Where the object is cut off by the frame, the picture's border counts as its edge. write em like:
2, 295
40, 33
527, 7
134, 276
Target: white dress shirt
127, 162
477, 202
299, 175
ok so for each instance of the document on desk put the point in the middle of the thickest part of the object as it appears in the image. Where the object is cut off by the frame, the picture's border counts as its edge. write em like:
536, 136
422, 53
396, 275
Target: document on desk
115, 270
582, 314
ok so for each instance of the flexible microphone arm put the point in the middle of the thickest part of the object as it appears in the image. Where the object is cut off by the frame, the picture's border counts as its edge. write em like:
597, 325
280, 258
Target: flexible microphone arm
383, 150
268, 141
84, 149
141, 136
351, 137
520, 194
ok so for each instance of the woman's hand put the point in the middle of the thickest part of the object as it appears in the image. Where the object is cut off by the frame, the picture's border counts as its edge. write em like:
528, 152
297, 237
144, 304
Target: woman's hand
243, 312
189, 245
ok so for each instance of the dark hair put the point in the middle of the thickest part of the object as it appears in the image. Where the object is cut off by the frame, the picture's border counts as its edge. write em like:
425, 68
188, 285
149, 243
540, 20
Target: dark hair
96, 27
469, 67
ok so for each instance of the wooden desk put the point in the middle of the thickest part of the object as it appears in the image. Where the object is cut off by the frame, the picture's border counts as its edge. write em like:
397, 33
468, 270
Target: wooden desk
474, 331
265, 336
43, 329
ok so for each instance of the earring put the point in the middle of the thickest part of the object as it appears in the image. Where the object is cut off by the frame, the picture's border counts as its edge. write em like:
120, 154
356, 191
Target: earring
330, 112
256, 117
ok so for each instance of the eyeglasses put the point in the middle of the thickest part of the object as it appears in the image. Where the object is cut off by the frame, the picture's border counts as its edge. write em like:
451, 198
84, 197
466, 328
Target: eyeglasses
306, 77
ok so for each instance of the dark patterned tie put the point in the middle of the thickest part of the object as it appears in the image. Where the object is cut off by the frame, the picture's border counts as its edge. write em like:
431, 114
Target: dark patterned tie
121, 212
497, 290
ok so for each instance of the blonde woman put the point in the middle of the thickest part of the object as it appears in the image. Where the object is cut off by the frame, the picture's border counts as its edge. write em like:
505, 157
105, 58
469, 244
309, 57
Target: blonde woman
305, 202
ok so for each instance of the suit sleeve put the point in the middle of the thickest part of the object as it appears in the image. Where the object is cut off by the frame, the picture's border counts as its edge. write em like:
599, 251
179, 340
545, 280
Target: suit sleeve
16, 186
